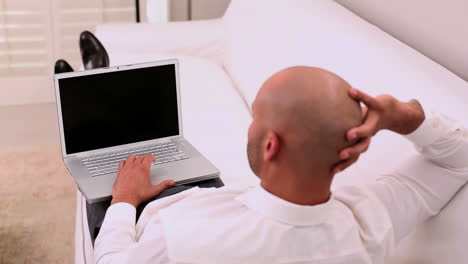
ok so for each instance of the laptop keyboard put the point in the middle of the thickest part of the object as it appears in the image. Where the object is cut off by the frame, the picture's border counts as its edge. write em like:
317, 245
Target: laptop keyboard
109, 162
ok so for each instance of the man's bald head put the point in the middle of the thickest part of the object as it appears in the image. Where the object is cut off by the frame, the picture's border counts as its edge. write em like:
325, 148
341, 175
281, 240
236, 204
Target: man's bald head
310, 111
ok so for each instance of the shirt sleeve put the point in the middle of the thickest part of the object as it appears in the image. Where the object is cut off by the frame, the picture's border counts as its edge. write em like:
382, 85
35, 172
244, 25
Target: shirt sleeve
425, 183
117, 233
118, 241
117, 244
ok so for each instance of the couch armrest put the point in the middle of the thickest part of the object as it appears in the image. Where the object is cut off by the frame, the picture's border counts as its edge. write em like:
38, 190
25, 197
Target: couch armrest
204, 38
83, 246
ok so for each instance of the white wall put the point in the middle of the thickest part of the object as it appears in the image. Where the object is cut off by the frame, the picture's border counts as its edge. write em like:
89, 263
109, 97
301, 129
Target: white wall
436, 28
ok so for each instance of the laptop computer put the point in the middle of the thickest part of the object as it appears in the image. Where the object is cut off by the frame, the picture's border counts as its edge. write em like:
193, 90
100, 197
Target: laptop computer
107, 114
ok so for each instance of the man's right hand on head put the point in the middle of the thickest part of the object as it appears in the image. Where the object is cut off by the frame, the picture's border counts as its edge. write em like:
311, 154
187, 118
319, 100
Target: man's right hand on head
381, 112
386, 112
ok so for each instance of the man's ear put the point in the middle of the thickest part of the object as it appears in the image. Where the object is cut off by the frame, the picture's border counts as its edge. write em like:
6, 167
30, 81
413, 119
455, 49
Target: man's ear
271, 147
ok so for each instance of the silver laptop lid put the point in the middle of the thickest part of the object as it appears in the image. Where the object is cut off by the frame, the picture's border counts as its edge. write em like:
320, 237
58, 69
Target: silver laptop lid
113, 107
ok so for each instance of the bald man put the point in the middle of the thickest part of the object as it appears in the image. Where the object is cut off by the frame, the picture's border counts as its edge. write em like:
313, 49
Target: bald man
307, 126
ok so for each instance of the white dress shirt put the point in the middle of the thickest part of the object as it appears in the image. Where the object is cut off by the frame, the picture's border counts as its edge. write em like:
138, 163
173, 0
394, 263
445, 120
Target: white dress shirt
359, 224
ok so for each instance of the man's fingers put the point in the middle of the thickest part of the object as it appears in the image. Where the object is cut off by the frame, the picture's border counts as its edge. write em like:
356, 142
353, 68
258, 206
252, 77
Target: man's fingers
130, 159
119, 171
356, 149
147, 159
350, 155
364, 111
344, 165
157, 189
367, 129
363, 97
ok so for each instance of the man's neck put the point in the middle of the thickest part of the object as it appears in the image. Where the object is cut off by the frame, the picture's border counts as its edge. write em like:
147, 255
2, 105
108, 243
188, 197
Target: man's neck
286, 187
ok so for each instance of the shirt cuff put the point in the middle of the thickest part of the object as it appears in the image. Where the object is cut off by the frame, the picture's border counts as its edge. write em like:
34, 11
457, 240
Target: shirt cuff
429, 131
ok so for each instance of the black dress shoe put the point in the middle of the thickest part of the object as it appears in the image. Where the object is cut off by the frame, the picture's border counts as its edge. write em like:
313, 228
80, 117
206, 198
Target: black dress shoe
62, 66
93, 53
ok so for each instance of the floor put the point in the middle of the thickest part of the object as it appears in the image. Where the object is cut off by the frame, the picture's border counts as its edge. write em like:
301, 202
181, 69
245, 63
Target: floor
29, 125
37, 213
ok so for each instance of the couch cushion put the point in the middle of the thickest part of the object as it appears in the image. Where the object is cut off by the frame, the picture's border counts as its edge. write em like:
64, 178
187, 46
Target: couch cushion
202, 38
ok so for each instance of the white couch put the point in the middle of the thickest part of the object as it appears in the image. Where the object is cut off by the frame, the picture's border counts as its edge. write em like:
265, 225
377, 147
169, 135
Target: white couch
224, 61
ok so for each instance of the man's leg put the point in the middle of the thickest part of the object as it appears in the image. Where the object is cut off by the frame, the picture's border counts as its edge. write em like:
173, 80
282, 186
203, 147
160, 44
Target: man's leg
97, 211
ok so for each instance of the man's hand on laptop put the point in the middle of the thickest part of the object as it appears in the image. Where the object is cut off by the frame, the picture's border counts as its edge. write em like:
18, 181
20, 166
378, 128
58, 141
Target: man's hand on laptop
382, 112
133, 183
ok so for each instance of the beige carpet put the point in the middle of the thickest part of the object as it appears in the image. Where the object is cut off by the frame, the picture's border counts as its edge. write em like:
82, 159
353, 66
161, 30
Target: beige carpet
37, 206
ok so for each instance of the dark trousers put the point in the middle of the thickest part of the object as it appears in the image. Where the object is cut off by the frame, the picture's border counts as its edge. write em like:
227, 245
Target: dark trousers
97, 211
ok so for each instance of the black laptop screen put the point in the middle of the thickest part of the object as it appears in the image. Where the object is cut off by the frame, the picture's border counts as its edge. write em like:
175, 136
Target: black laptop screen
111, 109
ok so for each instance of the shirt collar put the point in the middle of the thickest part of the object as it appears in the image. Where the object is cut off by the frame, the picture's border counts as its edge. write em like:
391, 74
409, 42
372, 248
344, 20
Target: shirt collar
269, 205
